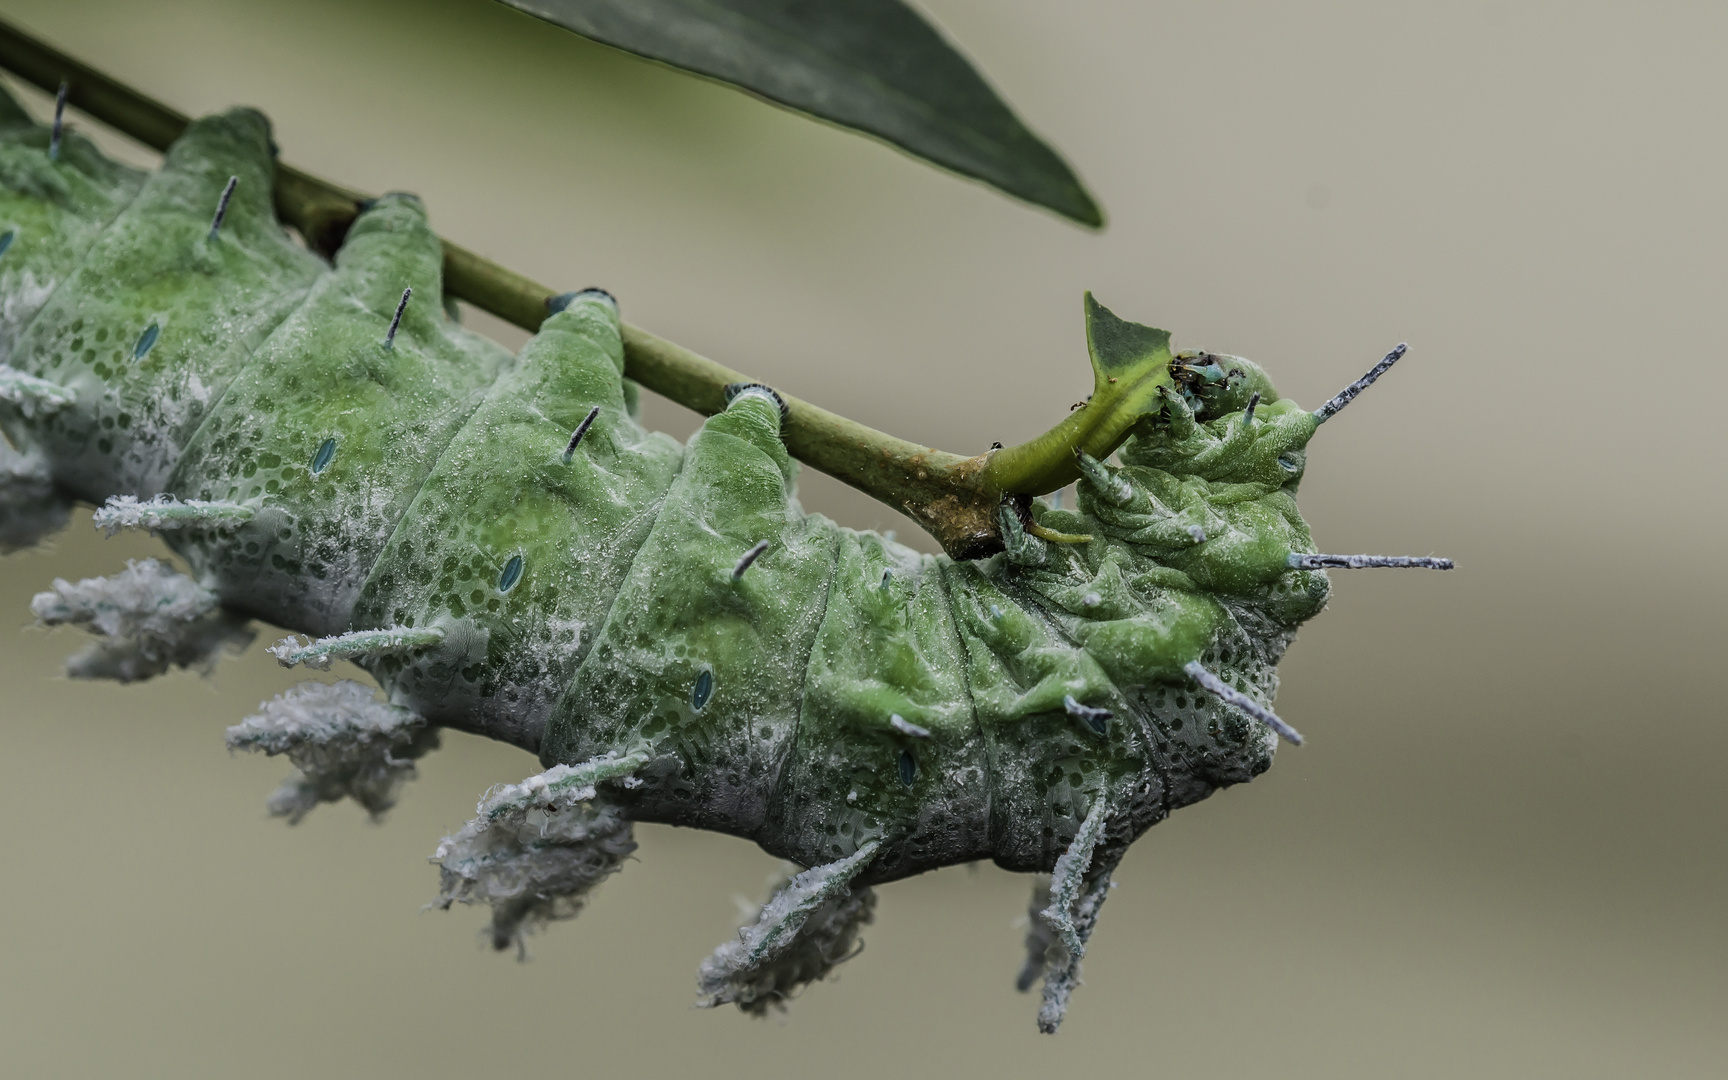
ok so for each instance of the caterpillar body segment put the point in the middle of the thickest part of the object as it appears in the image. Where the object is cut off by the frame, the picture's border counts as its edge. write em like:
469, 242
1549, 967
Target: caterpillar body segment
323, 386
707, 667
501, 544
52, 211
502, 491
150, 328
851, 775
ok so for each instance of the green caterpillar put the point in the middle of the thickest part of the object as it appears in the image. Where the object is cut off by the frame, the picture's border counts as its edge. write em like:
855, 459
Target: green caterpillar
501, 544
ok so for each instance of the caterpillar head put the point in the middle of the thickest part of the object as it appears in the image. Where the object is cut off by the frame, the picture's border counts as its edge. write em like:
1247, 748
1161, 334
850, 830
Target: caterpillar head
1183, 574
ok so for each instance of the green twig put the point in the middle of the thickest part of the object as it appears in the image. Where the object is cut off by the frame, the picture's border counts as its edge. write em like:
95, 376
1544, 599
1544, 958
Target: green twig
952, 497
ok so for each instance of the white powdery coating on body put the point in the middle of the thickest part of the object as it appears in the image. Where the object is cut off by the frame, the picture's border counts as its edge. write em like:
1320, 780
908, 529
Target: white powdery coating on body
345, 742
21, 297
23, 468
33, 396
537, 849
167, 512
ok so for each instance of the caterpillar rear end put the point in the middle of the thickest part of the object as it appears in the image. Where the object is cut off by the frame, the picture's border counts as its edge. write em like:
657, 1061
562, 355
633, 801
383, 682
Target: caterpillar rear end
508, 552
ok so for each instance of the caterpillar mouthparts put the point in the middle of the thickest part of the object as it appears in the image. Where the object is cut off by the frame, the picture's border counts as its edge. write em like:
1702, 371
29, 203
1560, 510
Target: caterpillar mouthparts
499, 542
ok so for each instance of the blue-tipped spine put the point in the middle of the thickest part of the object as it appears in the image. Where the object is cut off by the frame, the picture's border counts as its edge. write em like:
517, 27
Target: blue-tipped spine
581, 430
396, 320
222, 206
1362, 562
1235, 698
1348, 394
749, 557
59, 123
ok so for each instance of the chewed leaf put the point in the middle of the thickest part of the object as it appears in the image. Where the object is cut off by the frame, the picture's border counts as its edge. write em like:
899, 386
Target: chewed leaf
1130, 364
1120, 347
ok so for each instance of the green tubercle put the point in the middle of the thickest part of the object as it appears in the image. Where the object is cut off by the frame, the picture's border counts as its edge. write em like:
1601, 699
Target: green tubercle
51, 211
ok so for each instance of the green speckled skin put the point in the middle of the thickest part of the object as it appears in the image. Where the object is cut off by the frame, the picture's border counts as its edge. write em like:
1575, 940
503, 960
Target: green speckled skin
325, 374
213, 302
53, 211
502, 489
680, 612
841, 782
765, 700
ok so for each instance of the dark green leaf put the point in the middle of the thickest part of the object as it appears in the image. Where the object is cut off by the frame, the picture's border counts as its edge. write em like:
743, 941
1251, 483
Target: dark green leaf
872, 65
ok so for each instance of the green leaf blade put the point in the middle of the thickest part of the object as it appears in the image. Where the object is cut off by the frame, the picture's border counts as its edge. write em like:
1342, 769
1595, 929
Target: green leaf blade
875, 66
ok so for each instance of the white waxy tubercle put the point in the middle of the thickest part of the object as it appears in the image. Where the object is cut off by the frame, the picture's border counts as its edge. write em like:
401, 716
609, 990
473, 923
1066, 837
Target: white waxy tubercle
34, 397
166, 512
353, 645
907, 728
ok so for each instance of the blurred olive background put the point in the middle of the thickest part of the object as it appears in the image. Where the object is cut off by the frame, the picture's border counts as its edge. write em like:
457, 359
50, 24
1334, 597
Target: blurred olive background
1501, 852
